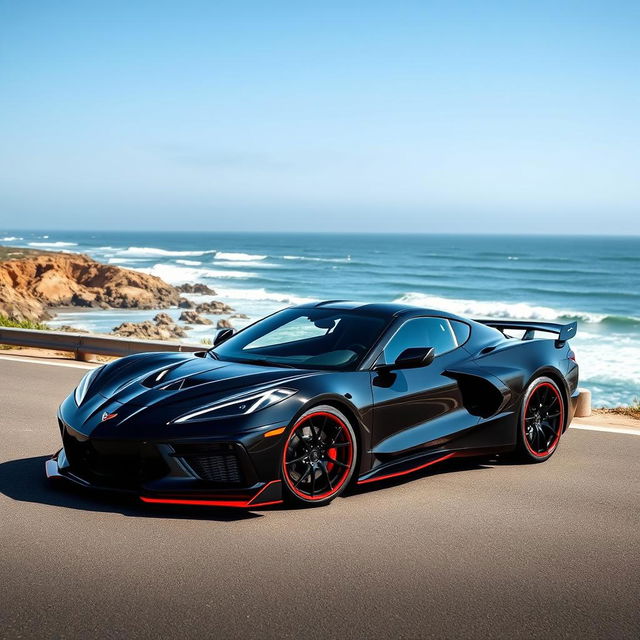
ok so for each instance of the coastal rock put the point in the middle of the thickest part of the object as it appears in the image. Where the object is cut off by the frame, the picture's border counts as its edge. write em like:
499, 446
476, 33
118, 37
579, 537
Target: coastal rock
84, 299
69, 329
193, 318
31, 283
239, 316
159, 329
184, 303
197, 287
163, 319
223, 323
20, 306
215, 306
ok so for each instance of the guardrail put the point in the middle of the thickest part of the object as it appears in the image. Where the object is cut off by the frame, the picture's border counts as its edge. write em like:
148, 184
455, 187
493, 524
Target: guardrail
82, 345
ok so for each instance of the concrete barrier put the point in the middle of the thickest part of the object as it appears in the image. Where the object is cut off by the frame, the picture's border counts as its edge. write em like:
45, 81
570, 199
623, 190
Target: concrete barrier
583, 407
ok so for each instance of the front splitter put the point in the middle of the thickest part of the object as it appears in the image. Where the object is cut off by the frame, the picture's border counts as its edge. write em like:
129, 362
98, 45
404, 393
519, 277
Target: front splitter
265, 495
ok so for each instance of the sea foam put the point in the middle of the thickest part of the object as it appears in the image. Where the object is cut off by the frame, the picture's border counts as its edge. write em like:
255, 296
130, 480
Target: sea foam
53, 244
179, 275
238, 257
315, 259
492, 309
150, 252
261, 295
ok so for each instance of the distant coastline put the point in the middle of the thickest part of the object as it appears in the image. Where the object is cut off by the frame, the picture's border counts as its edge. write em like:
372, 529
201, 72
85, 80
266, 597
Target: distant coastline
38, 285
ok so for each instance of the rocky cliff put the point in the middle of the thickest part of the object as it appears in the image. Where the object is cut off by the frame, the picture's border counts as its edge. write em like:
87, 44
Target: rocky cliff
31, 282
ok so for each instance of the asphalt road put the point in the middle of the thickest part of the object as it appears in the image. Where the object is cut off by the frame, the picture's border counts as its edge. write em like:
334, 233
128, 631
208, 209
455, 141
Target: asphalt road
463, 550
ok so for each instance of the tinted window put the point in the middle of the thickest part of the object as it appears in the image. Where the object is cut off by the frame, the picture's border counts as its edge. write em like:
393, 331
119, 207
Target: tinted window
298, 329
313, 338
461, 329
421, 332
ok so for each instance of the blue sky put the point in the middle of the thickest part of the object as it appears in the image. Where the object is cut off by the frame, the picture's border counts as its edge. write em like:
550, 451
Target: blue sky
378, 116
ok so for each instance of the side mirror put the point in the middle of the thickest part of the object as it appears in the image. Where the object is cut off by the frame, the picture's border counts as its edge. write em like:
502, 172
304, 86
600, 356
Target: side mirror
223, 334
411, 358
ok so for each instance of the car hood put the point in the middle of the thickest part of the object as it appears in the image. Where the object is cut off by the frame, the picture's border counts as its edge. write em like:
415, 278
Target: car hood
188, 381
141, 396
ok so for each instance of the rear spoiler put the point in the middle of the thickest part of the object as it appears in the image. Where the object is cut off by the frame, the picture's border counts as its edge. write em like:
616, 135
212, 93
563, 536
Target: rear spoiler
564, 331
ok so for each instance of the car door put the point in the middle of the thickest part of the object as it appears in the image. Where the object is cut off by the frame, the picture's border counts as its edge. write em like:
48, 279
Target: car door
422, 405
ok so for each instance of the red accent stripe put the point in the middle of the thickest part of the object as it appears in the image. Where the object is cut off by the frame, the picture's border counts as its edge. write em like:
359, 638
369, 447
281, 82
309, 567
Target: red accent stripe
407, 471
216, 503
210, 503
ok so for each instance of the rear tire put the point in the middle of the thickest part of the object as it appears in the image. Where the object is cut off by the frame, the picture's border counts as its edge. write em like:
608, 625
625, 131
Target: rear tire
319, 457
541, 422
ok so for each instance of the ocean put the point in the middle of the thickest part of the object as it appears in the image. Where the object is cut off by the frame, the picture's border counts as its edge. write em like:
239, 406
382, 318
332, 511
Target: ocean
593, 280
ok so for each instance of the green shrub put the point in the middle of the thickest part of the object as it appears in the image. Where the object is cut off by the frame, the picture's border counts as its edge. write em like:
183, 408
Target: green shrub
22, 324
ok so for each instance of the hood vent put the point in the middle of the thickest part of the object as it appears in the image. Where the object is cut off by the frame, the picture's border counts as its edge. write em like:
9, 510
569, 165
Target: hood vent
185, 383
155, 378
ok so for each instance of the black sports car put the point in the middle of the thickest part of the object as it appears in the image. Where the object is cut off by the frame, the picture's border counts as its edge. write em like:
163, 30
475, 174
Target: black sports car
310, 399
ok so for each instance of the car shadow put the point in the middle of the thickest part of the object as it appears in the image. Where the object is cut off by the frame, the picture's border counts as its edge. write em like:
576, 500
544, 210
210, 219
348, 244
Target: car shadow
24, 480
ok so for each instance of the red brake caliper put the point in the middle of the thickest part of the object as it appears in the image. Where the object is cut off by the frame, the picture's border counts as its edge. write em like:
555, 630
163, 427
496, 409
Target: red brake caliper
332, 453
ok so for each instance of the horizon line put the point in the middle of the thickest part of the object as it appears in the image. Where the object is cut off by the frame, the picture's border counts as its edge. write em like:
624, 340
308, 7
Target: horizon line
319, 232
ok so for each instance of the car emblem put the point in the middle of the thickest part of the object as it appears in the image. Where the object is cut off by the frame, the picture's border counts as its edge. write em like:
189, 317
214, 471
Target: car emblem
107, 416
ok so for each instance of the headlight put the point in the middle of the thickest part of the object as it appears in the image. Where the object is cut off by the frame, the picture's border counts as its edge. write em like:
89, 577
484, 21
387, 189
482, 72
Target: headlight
241, 405
81, 389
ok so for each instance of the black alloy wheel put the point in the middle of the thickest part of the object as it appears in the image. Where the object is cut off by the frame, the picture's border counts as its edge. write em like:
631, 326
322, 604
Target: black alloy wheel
319, 456
542, 420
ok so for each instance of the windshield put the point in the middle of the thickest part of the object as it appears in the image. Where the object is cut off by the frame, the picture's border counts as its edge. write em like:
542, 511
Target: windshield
305, 338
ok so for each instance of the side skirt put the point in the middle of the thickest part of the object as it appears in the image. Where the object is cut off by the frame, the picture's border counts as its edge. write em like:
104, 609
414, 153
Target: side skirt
403, 467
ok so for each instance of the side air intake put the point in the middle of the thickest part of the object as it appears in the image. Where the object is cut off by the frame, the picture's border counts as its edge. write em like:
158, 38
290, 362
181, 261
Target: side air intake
479, 396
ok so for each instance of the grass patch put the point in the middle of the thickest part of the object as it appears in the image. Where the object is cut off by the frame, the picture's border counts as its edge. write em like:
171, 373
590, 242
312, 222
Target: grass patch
633, 410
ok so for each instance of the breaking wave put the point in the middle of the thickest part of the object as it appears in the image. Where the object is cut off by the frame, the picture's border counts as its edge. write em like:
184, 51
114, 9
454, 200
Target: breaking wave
238, 257
189, 263
179, 275
314, 259
508, 310
53, 244
151, 252
261, 295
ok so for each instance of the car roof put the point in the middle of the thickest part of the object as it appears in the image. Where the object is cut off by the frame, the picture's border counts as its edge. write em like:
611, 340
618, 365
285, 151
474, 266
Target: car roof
380, 309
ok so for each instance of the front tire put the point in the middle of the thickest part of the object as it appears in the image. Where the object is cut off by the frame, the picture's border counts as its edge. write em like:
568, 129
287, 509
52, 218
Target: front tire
542, 419
319, 457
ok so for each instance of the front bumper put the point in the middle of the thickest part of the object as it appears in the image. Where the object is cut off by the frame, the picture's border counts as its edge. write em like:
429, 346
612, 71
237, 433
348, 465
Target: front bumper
215, 472
261, 495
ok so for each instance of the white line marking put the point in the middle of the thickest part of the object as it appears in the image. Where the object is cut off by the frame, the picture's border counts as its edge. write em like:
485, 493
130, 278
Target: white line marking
73, 365
591, 427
